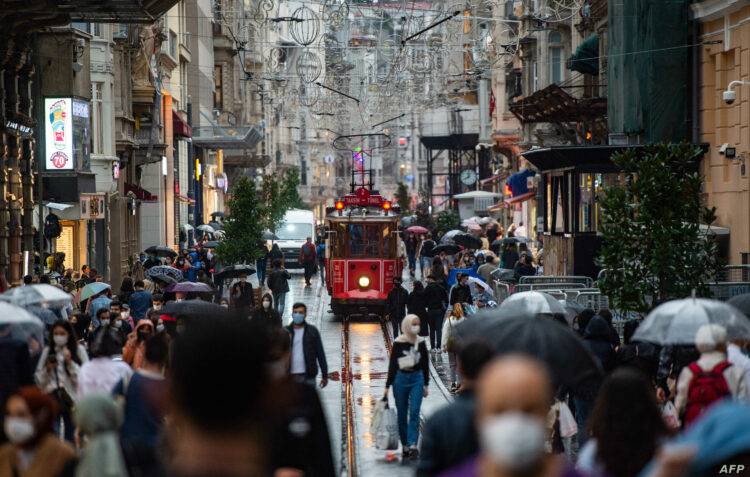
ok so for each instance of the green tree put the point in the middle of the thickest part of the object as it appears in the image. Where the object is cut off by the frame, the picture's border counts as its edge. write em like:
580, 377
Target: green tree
403, 198
653, 247
448, 220
242, 229
273, 202
423, 216
289, 194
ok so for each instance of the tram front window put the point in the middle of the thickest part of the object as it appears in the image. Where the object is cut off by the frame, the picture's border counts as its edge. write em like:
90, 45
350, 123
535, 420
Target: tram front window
364, 240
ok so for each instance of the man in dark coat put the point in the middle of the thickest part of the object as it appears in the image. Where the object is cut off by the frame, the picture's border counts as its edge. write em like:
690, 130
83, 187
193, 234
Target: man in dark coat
278, 282
436, 298
307, 259
307, 349
242, 296
460, 292
265, 314
395, 305
449, 436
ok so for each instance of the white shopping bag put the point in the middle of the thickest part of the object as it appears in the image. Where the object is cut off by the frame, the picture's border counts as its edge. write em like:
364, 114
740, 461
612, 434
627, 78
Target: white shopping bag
568, 425
385, 426
670, 416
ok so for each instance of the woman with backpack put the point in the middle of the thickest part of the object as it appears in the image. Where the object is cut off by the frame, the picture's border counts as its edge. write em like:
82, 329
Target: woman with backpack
448, 342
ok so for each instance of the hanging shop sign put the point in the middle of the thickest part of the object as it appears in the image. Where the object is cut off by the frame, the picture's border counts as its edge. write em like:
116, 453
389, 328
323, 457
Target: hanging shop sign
58, 134
18, 129
92, 206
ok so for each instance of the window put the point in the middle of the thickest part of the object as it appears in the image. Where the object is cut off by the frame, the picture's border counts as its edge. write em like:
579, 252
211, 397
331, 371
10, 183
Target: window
97, 119
555, 54
534, 77
218, 98
172, 44
216, 25
93, 29
183, 85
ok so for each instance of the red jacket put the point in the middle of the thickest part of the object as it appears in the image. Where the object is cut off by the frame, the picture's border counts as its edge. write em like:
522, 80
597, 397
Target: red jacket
302, 252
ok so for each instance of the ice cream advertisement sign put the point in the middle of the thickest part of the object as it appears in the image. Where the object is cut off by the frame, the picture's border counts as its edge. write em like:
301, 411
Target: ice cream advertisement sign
58, 129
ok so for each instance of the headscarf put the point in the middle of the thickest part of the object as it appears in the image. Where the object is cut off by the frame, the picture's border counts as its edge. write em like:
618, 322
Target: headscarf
99, 418
406, 335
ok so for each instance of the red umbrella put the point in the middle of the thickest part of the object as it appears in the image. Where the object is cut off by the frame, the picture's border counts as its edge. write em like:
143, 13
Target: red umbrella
417, 229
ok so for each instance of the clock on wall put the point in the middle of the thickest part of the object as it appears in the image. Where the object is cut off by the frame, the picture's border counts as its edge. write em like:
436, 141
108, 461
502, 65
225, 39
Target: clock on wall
468, 177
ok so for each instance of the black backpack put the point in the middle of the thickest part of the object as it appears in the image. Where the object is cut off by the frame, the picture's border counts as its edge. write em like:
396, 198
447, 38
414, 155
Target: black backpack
52, 227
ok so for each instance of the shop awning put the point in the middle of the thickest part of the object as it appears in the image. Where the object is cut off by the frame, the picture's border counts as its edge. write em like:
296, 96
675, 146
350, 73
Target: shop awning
185, 200
180, 127
140, 193
115, 11
241, 137
554, 105
586, 57
513, 200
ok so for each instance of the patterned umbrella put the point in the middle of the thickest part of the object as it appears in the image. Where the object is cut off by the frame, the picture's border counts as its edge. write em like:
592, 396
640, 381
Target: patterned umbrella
187, 287
164, 270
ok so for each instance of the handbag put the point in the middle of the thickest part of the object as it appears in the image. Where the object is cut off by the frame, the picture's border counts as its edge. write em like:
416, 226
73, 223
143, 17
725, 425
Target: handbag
386, 431
568, 424
64, 400
409, 360
450, 342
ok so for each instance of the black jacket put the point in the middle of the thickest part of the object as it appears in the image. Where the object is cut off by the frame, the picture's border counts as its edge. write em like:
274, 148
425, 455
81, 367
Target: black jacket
449, 437
597, 338
510, 257
278, 281
524, 271
416, 304
395, 304
15, 367
246, 298
436, 298
312, 347
301, 439
460, 294
265, 317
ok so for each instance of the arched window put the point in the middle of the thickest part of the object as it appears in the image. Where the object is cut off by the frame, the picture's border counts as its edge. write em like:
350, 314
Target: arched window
555, 57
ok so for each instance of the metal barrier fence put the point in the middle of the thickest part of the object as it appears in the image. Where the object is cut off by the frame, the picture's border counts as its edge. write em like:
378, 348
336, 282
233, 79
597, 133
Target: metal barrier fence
523, 287
726, 290
734, 273
501, 290
592, 299
540, 279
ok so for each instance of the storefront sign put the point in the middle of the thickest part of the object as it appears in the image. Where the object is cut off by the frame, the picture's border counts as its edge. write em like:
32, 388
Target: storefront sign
58, 134
18, 130
92, 207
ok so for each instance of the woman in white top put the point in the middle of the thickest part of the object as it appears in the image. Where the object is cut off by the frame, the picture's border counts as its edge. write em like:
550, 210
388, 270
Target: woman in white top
455, 317
57, 372
102, 373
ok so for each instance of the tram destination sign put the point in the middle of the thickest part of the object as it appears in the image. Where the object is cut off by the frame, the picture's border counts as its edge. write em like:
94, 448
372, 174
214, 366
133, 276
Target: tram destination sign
363, 200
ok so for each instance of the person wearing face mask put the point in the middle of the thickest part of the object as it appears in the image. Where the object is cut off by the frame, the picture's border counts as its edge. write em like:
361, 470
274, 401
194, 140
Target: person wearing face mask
300, 434
134, 350
307, 349
395, 305
513, 396
33, 450
266, 315
57, 373
157, 303
242, 298
139, 301
143, 395
408, 372
103, 372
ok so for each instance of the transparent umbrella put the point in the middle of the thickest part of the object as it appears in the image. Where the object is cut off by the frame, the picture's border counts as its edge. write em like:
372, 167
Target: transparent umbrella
530, 304
676, 322
17, 323
39, 294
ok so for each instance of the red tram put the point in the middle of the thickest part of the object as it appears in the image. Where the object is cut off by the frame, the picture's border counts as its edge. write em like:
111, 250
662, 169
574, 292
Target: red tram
363, 246
363, 253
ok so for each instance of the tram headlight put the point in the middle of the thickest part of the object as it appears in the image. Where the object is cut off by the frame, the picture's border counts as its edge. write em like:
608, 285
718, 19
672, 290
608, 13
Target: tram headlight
363, 281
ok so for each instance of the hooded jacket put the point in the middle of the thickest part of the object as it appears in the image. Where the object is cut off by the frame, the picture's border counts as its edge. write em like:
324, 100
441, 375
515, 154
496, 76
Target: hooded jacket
266, 317
134, 351
597, 338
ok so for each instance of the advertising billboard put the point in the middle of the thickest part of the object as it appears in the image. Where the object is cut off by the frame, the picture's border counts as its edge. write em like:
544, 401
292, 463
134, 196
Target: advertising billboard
58, 134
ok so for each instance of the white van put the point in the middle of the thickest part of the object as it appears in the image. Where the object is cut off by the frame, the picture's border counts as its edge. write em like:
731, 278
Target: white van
297, 226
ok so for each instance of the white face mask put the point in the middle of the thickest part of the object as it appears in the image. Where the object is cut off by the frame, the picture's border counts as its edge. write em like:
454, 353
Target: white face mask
513, 441
60, 340
159, 328
415, 329
19, 429
117, 324
125, 315
266, 304
157, 307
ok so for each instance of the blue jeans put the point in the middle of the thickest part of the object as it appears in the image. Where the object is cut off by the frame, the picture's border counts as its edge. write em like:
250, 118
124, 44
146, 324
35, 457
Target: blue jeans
322, 269
261, 271
408, 389
279, 300
583, 409
412, 260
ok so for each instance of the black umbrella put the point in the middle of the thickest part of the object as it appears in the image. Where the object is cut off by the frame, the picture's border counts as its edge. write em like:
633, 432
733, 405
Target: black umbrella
161, 251
234, 271
448, 248
741, 302
508, 240
269, 236
216, 225
467, 240
161, 277
218, 214
195, 309
210, 244
567, 358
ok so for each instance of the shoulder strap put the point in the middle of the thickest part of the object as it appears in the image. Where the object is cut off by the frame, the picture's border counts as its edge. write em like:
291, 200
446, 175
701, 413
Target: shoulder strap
719, 368
695, 368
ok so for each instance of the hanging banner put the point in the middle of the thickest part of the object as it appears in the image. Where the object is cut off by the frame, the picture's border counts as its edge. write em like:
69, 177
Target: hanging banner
92, 207
58, 134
